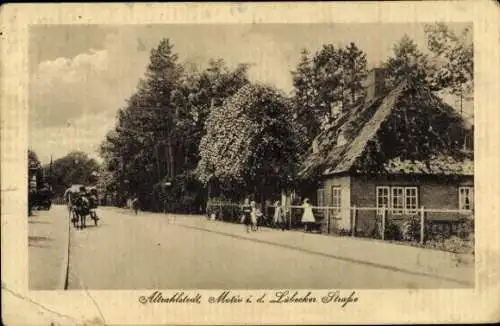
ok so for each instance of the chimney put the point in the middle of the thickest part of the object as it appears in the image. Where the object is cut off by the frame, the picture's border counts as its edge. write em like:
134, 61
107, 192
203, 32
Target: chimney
375, 83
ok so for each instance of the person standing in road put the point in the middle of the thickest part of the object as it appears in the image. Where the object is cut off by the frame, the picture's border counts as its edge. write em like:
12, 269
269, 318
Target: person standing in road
247, 212
279, 217
307, 216
254, 215
135, 204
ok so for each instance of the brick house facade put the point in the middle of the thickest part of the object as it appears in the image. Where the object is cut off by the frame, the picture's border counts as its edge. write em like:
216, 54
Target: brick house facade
360, 161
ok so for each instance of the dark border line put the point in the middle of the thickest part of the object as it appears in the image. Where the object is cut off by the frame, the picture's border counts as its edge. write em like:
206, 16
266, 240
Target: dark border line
66, 280
350, 260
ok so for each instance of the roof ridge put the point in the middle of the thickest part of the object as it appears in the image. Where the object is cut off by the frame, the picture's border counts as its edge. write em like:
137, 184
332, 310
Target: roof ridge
369, 129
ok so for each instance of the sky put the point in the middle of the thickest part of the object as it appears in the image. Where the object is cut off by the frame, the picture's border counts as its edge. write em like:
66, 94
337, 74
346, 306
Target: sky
80, 75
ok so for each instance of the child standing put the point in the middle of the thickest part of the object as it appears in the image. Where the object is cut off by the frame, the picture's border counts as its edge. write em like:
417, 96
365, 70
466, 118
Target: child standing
308, 216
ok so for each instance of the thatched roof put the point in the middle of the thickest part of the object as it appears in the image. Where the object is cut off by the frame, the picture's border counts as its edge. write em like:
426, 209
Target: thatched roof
334, 154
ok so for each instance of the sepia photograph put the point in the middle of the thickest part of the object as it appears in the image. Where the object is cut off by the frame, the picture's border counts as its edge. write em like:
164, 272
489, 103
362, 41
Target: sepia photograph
308, 163
251, 156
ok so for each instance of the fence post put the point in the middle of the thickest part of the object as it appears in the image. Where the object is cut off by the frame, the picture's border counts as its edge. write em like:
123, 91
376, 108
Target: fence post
383, 222
353, 226
290, 217
422, 220
328, 221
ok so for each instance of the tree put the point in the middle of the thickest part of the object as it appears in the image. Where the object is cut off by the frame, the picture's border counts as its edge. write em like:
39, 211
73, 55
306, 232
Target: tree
199, 92
304, 94
74, 168
409, 62
140, 151
253, 140
354, 72
456, 73
333, 77
158, 133
328, 78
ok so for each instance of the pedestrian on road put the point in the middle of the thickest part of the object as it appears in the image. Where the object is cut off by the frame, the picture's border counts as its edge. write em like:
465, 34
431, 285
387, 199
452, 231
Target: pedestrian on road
247, 212
275, 216
279, 217
254, 215
307, 216
135, 204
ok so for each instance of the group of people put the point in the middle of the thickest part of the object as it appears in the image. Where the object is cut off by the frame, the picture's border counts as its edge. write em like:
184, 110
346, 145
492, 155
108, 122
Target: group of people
251, 215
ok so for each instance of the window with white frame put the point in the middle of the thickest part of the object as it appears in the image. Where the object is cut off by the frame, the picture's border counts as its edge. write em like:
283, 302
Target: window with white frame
321, 197
411, 200
383, 199
400, 200
336, 198
397, 202
466, 198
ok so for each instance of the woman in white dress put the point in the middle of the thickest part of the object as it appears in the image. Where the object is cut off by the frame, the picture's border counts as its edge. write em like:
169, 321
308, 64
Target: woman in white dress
254, 215
308, 216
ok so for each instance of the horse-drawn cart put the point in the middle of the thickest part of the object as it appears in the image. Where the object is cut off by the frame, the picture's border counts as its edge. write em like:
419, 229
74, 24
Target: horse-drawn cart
82, 202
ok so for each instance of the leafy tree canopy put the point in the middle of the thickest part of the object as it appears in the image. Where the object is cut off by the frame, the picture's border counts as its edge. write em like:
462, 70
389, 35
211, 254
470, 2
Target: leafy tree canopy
333, 77
408, 62
253, 139
457, 53
74, 168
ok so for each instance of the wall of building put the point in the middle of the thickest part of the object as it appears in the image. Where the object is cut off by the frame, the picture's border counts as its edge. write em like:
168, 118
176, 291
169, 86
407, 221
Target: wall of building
343, 220
432, 193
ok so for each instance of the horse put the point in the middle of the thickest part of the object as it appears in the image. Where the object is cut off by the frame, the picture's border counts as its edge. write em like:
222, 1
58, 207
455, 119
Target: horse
81, 209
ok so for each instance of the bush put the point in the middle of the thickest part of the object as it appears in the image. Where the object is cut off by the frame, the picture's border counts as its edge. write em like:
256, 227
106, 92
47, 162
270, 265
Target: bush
375, 232
453, 244
438, 230
465, 228
392, 231
411, 229
344, 232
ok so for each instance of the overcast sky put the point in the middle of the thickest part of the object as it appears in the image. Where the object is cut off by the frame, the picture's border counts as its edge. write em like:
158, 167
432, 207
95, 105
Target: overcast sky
81, 75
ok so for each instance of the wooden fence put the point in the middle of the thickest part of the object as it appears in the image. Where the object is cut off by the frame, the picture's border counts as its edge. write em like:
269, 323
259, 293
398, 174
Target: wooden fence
329, 219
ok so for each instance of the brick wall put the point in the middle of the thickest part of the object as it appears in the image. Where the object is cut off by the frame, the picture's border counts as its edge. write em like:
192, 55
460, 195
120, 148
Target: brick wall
432, 193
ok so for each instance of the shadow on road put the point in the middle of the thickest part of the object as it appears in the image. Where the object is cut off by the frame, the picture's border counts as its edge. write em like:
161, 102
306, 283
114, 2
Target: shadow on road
38, 245
34, 241
90, 226
38, 222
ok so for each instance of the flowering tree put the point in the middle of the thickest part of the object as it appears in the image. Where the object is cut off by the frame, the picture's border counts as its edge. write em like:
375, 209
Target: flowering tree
252, 140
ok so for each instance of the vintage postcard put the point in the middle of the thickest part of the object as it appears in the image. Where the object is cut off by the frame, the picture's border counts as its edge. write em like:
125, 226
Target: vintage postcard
275, 163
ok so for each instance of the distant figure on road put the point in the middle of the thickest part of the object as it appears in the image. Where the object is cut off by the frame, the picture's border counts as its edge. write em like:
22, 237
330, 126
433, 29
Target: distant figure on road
308, 216
279, 217
255, 214
135, 205
93, 201
247, 212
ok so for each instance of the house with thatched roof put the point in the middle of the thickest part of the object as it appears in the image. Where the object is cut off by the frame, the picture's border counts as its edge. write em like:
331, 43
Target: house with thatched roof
402, 149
